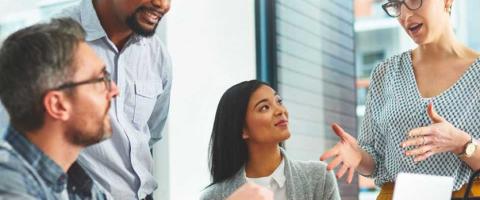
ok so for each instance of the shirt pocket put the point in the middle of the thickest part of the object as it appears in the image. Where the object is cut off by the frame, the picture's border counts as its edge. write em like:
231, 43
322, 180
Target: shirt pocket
146, 94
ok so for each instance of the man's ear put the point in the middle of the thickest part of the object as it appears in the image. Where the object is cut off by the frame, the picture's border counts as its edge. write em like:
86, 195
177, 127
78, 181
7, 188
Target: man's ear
57, 105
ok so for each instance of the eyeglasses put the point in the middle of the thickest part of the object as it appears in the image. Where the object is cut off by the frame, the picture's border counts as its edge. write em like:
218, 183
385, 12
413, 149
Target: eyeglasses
106, 80
393, 7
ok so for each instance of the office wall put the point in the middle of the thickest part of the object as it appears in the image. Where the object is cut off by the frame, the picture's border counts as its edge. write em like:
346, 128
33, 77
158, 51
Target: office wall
212, 44
316, 74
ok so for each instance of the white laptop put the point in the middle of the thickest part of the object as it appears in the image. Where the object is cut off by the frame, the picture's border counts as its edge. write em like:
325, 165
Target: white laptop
422, 187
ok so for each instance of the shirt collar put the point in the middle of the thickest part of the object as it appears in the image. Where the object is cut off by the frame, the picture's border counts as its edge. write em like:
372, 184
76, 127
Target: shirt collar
50, 172
90, 22
93, 27
279, 174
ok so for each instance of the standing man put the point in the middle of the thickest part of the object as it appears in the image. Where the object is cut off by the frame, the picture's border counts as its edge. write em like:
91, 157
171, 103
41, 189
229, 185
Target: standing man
122, 32
57, 93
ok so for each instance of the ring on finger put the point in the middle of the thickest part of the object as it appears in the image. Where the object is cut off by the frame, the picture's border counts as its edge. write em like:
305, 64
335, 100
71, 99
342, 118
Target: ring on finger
427, 150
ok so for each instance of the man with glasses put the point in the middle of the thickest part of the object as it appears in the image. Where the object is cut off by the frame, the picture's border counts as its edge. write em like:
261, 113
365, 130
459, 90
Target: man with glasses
57, 93
122, 32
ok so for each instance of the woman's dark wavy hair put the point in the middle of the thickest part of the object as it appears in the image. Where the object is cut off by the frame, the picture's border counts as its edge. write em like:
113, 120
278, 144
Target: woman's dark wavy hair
228, 150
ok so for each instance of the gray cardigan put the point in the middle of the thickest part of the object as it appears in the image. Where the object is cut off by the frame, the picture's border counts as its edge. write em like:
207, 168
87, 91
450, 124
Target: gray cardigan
304, 180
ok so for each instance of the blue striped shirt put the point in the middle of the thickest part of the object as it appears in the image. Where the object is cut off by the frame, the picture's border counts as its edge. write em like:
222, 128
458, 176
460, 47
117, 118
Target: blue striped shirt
142, 71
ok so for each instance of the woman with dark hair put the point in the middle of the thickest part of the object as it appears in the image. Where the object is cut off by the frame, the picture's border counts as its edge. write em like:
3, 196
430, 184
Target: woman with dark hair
250, 125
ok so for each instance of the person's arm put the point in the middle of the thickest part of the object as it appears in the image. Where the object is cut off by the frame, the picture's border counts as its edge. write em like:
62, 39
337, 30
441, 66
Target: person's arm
370, 131
331, 191
158, 118
12, 185
367, 164
8, 194
361, 155
474, 161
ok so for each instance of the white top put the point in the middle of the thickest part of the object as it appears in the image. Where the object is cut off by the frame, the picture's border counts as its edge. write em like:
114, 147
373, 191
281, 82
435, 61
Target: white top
274, 182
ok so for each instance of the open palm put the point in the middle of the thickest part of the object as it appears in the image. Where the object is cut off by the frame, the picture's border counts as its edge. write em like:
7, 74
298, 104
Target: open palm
346, 152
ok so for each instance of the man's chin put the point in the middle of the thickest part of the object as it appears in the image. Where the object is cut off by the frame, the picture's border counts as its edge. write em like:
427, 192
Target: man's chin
143, 29
146, 31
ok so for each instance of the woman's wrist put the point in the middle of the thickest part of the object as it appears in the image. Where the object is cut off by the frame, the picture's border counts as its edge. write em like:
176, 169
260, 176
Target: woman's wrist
366, 165
463, 140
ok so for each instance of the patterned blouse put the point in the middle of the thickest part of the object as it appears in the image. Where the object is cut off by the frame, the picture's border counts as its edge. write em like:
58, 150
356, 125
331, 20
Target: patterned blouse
394, 106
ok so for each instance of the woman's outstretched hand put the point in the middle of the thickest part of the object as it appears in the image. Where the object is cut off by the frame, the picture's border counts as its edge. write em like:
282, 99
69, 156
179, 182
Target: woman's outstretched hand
440, 136
346, 152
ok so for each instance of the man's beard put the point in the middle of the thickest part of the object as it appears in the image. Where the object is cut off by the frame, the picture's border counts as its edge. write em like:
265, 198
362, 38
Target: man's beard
79, 136
136, 27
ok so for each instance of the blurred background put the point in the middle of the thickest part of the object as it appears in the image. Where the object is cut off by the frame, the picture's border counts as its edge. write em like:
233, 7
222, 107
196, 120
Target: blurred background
317, 53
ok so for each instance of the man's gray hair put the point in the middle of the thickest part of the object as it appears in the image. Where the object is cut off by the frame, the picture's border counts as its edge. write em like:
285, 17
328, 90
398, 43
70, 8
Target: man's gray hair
34, 60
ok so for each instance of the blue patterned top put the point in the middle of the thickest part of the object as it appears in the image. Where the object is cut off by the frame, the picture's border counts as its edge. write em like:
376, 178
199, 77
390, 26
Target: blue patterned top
394, 106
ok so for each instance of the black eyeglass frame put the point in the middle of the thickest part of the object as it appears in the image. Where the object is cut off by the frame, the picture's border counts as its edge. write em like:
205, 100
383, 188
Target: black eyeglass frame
106, 79
391, 3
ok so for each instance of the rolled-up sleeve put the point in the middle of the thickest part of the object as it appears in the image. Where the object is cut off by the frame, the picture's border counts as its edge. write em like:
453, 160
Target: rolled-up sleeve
369, 133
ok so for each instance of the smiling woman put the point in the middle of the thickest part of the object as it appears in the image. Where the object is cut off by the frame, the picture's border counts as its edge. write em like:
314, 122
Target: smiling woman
246, 146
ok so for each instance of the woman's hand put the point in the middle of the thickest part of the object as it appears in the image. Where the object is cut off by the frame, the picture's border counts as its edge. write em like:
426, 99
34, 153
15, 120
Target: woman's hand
251, 191
440, 136
346, 151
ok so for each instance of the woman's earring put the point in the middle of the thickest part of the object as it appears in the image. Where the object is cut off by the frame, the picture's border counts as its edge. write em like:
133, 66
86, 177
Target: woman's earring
449, 10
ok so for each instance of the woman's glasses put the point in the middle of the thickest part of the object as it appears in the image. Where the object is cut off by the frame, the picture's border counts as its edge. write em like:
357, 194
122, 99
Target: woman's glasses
394, 7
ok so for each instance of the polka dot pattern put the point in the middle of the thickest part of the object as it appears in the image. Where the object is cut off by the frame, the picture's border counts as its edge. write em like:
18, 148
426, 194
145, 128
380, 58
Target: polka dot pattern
394, 106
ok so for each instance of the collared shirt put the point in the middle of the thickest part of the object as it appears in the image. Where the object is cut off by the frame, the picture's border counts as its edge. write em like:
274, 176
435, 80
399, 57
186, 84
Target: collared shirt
275, 182
142, 71
394, 106
27, 173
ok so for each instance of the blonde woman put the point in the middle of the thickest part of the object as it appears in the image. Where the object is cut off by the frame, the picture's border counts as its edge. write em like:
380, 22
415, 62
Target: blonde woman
423, 106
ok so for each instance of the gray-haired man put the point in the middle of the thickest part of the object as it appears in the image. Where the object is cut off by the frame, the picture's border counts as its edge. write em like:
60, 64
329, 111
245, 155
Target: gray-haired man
57, 93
